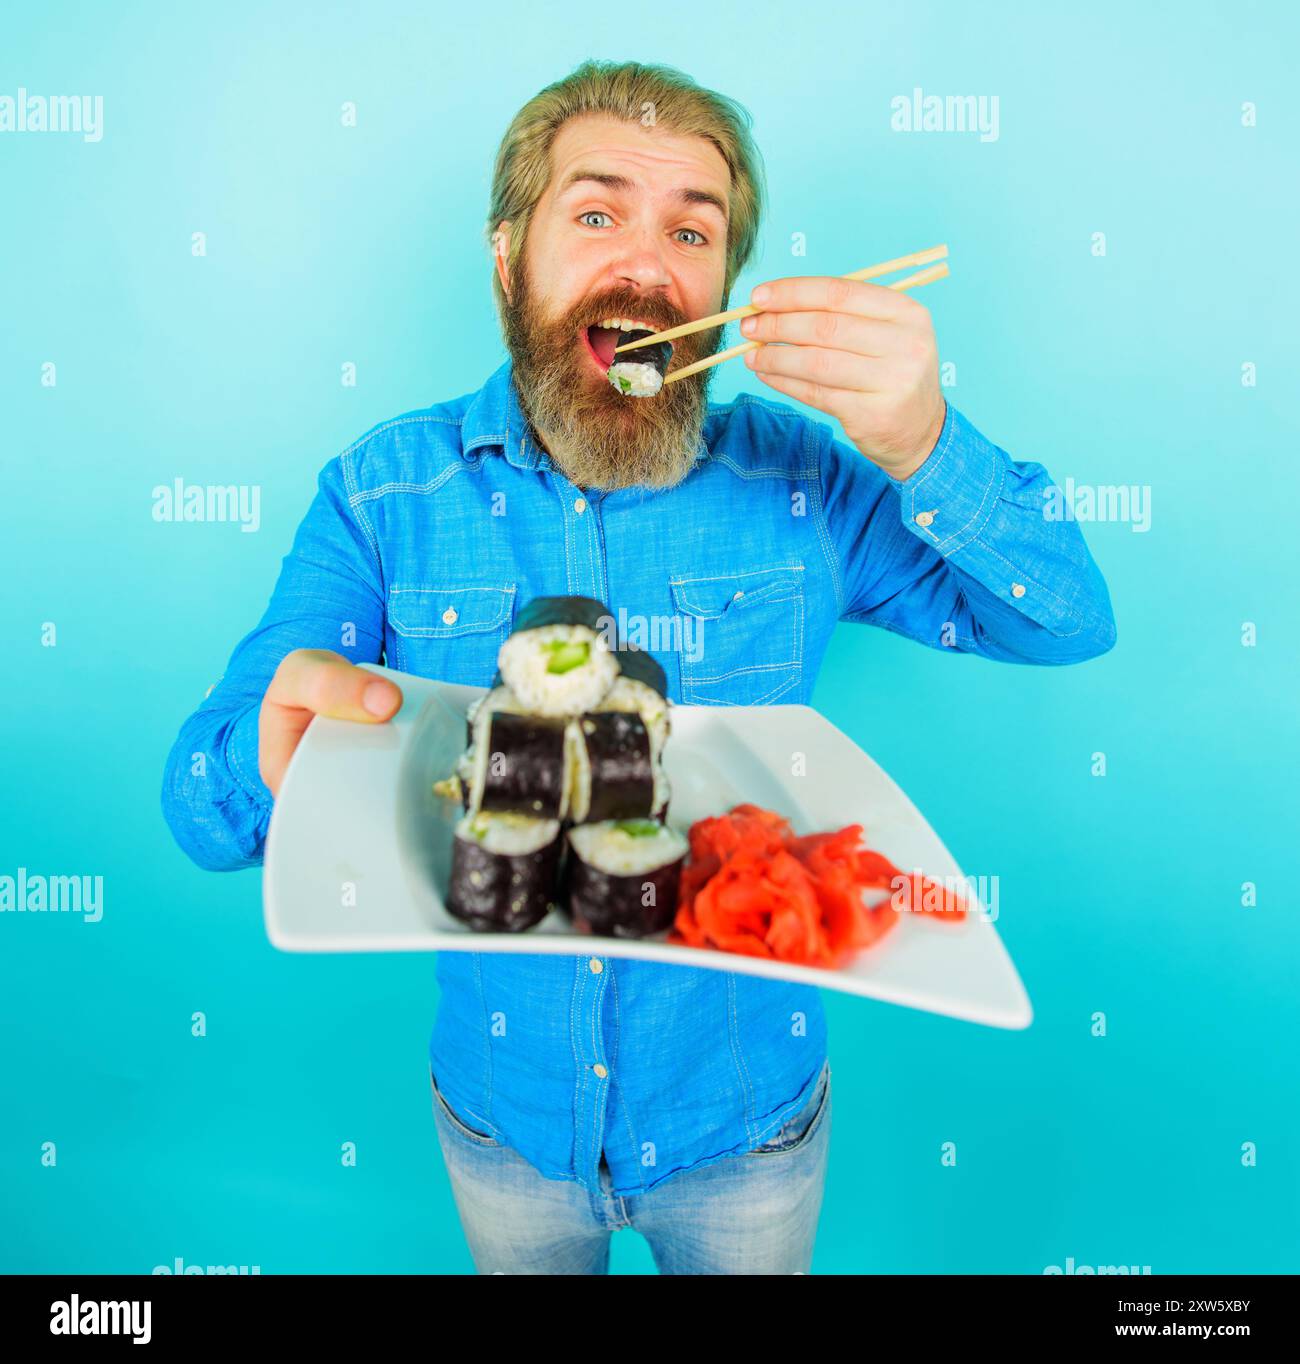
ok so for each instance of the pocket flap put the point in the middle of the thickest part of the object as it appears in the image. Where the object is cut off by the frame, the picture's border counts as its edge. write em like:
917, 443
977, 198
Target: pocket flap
712, 598
445, 612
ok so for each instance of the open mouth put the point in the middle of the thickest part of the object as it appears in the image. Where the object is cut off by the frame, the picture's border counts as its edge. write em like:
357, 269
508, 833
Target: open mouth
601, 340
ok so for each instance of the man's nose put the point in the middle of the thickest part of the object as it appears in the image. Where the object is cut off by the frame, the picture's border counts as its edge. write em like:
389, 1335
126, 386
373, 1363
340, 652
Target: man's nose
643, 264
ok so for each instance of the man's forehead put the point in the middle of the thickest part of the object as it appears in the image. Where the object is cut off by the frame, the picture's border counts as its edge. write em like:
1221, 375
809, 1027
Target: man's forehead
650, 156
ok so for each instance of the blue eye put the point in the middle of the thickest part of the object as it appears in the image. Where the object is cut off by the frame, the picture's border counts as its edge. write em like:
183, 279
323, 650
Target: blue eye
592, 213
703, 241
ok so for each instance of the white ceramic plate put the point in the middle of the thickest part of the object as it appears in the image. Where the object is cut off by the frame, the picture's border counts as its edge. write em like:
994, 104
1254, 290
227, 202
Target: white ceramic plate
359, 848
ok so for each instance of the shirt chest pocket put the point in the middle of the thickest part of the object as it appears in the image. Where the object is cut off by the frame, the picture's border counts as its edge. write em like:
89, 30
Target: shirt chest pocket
747, 633
452, 633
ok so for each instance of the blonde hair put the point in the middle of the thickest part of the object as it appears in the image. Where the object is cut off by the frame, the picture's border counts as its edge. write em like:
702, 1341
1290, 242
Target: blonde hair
658, 95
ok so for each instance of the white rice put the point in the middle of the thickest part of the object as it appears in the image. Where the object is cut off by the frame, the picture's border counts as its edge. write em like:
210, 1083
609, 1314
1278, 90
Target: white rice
635, 378
523, 662
497, 698
506, 834
578, 795
607, 848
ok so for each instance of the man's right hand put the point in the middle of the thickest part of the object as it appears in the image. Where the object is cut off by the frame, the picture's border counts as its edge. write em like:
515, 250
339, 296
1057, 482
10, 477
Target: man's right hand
315, 682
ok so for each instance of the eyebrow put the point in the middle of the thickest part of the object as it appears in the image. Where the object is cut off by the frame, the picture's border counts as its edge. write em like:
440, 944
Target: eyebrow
621, 184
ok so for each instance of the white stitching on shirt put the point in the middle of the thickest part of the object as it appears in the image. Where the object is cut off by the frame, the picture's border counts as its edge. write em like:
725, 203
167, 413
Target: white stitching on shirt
990, 498
236, 763
570, 557
577, 1060
949, 410
749, 573
401, 421
592, 986
781, 471
627, 1117
431, 486
594, 580
347, 468
1067, 609
487, 1039
738, 1055
821, 523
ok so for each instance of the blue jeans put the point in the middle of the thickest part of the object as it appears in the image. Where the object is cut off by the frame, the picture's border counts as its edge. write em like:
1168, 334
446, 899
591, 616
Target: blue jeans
754, 1213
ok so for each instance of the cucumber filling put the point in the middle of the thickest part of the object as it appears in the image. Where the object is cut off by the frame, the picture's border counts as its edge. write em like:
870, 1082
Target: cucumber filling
565, 655
638, 828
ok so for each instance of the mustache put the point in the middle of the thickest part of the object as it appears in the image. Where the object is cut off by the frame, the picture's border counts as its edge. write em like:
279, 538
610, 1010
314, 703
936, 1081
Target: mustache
627, 303
659, 313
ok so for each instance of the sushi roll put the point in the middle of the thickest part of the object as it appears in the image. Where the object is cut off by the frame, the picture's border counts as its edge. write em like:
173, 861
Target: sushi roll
611, 763
612, 768
640, 373
504, 871
621, 877
518, 764
459, 784
639, 666
629, 694
558, 659
496, 698
651, 703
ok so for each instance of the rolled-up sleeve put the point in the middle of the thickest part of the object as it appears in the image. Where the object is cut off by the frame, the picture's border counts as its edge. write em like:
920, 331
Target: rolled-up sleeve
329, 595
968, 553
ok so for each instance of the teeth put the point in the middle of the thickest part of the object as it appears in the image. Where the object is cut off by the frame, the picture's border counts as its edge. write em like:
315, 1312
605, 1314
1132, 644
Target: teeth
622, 324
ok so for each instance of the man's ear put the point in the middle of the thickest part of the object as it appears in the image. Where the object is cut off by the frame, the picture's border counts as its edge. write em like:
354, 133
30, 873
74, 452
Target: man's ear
501, 254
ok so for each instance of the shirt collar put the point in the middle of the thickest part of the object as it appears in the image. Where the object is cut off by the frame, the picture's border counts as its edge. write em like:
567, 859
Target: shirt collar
495, 419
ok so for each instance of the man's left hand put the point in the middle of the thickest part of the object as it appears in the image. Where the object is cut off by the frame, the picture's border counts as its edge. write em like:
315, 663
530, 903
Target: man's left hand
859, 352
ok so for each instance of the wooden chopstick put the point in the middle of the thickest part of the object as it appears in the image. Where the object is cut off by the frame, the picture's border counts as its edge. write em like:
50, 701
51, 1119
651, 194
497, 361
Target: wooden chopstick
887, 267
911, 282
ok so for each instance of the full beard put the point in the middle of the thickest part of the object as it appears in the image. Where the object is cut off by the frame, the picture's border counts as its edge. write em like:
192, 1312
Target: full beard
597, 436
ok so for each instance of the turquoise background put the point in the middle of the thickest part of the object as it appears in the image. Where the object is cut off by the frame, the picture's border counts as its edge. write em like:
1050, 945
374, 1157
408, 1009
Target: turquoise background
1120, 894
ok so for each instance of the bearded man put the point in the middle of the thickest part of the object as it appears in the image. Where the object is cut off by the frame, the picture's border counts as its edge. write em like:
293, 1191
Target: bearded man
576, 1095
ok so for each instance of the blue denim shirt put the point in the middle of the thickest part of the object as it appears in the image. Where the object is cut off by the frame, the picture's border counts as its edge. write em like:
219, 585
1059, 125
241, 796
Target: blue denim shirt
429, 533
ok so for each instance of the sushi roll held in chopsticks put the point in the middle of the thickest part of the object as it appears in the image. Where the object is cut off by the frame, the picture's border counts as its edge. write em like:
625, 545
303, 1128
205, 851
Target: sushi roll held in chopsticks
504, 871
636, 373
621, 877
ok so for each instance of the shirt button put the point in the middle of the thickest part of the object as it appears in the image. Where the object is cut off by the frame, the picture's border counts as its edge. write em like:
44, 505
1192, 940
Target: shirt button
736, 596
450, 616
1017, 589
600, 1070
580, 505
597, 966
924, 518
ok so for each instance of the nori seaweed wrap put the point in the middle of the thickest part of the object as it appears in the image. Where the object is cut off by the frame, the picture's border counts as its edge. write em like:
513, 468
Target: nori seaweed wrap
621, 877
642, 667
640, 373
612, 769
504, 871
542, 611
520, 766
